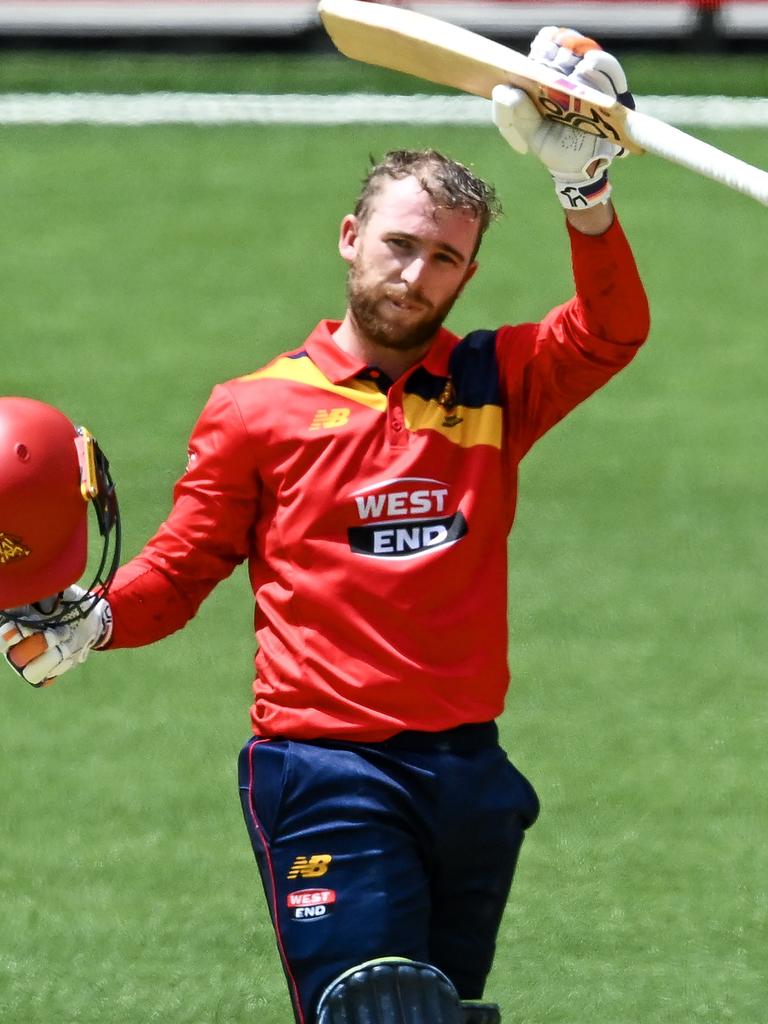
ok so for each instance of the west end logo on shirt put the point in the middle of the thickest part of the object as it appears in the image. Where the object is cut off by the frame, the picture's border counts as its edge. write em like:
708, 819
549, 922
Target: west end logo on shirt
405, 518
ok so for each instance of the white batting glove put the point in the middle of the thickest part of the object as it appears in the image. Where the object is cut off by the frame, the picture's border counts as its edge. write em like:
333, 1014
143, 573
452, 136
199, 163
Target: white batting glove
578, 57
62, 646
577, 162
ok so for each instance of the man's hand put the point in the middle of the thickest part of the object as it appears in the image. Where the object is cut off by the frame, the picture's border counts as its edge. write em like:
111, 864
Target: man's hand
577, 162
582, 59
41, 653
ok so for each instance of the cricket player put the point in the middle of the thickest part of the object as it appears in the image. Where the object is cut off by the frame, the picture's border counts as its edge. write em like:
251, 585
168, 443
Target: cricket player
368, 477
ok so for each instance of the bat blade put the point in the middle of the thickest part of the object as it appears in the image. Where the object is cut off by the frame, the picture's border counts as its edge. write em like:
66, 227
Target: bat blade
415, 44
446, 54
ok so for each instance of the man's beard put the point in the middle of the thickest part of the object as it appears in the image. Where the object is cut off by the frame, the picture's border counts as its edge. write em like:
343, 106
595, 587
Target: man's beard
366, 301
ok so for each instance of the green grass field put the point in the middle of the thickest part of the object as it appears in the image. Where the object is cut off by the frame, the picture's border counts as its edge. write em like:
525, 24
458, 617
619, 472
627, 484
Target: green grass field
141, 266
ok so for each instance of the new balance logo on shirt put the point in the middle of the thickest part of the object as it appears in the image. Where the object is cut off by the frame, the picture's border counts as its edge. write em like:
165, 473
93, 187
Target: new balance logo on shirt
325, 419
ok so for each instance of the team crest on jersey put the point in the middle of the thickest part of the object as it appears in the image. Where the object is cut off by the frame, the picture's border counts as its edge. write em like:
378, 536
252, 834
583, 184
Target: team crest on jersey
447, 400
12, 549
405, 518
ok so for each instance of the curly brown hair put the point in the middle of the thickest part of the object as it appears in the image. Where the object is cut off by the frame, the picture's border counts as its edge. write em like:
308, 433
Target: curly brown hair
450, 184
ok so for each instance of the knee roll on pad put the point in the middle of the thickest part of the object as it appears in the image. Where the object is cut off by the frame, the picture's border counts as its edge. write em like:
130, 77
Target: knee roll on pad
391, 990
480, 1013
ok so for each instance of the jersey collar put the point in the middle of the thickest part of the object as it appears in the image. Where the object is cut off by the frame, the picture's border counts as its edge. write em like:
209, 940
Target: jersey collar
338, 365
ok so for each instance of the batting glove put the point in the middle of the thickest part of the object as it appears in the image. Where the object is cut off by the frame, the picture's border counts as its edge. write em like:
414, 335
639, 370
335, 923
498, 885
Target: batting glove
61, 646
577, 162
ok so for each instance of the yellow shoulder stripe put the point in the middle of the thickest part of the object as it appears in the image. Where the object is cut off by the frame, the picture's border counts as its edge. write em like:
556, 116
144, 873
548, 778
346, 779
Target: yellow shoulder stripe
304, 371
463, 425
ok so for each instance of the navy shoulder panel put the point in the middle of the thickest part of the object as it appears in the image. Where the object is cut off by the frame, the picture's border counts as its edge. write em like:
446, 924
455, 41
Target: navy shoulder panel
474, 374
475, 371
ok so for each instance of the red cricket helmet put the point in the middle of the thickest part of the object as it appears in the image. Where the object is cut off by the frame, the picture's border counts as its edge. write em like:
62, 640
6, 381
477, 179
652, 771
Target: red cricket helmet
50, 471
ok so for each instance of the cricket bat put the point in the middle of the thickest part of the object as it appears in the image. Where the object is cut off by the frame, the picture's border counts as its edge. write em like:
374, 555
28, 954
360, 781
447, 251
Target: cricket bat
415, 44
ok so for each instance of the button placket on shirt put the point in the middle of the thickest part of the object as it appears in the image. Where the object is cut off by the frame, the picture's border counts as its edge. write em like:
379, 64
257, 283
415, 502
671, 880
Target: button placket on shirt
397, 433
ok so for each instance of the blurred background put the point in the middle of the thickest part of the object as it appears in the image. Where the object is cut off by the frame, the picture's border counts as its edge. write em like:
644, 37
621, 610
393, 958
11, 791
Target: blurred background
244, 24
172, 177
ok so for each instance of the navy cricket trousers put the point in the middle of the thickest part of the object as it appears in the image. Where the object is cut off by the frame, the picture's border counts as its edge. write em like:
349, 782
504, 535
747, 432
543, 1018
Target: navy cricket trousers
400, 848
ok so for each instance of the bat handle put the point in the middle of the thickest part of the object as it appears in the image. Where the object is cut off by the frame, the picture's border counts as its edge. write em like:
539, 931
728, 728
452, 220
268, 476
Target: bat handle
670, 143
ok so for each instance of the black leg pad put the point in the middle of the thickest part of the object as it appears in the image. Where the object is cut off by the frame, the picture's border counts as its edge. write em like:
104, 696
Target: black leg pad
391, 990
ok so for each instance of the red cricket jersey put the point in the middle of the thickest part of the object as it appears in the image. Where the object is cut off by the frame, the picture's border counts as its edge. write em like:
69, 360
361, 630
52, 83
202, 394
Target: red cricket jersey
374, 515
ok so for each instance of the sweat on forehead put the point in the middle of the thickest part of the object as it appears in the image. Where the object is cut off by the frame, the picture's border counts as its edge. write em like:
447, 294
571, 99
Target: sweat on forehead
406, 200
450, 184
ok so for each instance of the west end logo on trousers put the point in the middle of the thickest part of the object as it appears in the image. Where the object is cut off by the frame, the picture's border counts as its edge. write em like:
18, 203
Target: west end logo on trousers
310, 904
406, 517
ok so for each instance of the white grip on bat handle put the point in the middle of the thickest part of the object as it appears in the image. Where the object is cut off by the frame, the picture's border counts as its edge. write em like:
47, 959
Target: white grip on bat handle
663, 140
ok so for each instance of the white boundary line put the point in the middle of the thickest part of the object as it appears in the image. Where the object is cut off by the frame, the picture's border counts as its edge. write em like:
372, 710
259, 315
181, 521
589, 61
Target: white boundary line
347, 108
